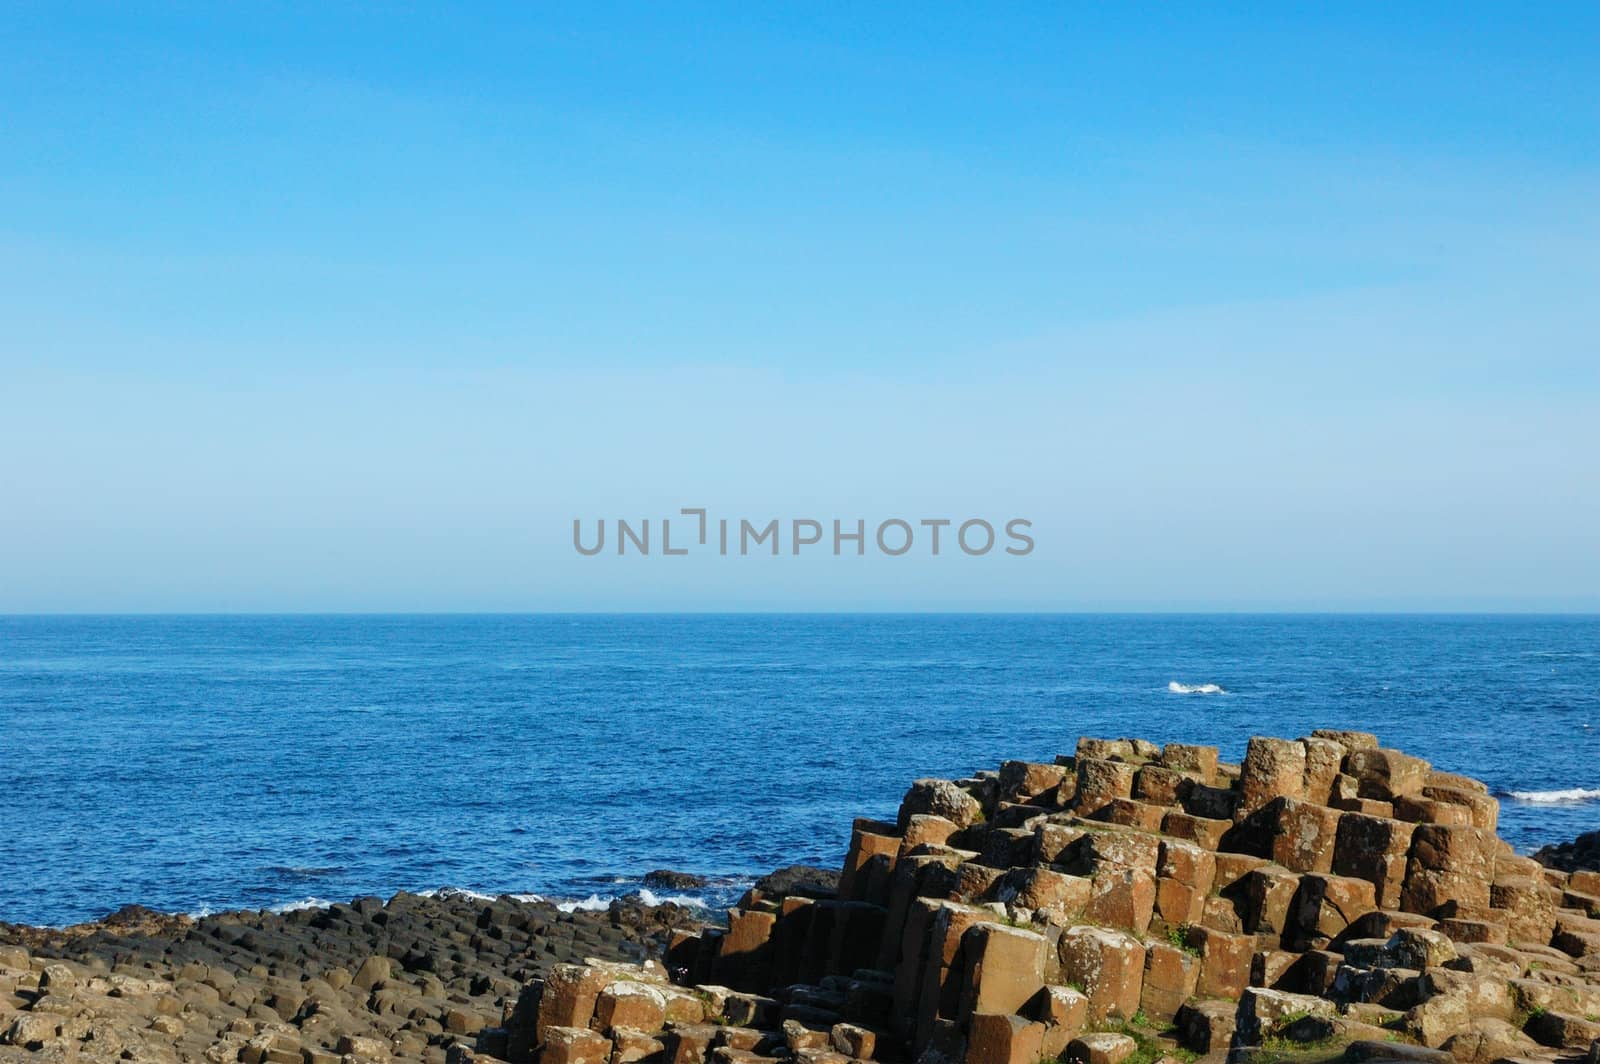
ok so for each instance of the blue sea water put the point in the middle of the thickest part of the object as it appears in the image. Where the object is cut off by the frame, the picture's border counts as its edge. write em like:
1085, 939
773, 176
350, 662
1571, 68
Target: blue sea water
202, 763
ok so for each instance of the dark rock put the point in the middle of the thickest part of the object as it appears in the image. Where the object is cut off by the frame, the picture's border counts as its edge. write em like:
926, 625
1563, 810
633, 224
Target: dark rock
666, 879
131, 914
1370, 1051
802, 880
1582, 853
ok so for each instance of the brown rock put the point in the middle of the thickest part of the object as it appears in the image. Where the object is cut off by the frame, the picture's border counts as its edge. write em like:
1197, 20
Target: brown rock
1264, 1014
1423, 810
865, 844
996, 1039
1063, 1011
926, 829
1104, 849
1224, 962
798, 1037
1212, 803
376, 1049
1387, 774
1437, 1020
1448, 866
1198, 761
1054, 842
574, 1045
373, 971
1160, 785
1207, 1027
1374, 849
631, 1004
1170, 977
1468, 930
1530, 910
1232, 868
1102, 1047
690, 1043
1350, 740
1060, 896
1100, 781
1324, 763
1326, 905
1202, 831
1488, 1039
1179, 903
1562, 1030
1222, 914
1187, 863
1485, 809
940, 798
1275, 969
743, 956
1302, 835
1129, 812
1123, 898
1105, 749
854, 1041
570, 993
1272, 768
1004, 968
1269, 893
1022, 780
630, 1047
1107, 967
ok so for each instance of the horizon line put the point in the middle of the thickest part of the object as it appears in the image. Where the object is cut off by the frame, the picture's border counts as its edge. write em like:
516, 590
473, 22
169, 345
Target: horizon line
1332, 612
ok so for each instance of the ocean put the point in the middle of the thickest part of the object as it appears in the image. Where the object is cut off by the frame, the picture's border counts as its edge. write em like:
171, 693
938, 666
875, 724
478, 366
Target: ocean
203, 763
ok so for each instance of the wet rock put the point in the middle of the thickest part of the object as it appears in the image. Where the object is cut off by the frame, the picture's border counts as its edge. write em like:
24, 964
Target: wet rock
1579, 854
666, 879
799, 880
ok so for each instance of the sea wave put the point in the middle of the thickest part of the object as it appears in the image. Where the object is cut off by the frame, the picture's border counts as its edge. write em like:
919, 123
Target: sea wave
1195, 688
1569, 796
593, 903
303, 903
597, 902
459, 892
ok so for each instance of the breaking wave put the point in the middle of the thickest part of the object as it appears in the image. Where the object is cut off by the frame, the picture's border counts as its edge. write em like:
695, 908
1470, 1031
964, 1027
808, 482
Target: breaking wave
597, 903
462, 892
1570, 796
303, 903
1195, 688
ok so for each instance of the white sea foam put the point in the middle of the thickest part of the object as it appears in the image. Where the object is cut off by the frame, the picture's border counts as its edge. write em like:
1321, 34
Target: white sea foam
597, 903
303, 903
593, 903
1195, 688
1570, 796
456, 892
687, 900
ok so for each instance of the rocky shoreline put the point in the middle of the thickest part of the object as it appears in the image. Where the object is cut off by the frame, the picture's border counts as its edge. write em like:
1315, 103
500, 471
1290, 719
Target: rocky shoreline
1126, 904
1580, 855
403, 978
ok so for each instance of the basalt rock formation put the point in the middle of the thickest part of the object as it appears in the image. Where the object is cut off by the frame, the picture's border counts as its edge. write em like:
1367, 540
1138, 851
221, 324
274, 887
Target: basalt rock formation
1119, 903
403, 979
1582, 853
1124, 902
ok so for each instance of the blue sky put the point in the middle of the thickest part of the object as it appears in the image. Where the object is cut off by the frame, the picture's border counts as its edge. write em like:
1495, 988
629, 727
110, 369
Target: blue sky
340, 307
